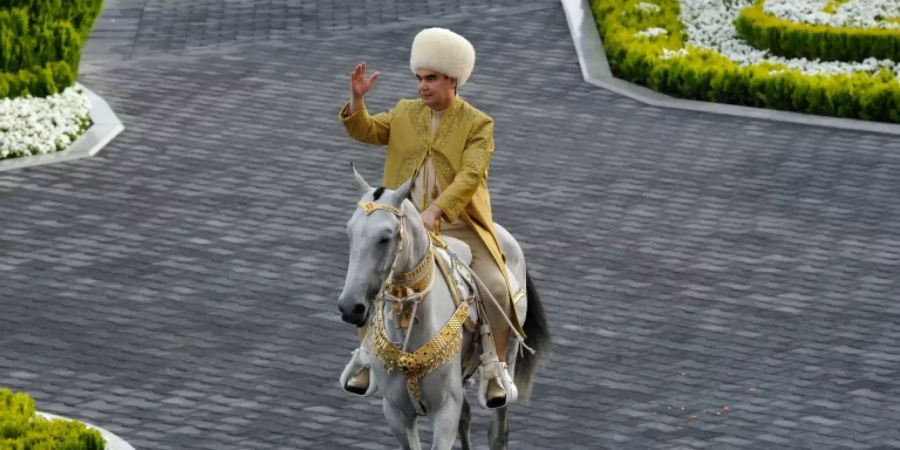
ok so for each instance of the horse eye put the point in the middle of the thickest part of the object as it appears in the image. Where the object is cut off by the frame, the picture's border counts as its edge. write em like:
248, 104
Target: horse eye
384, 240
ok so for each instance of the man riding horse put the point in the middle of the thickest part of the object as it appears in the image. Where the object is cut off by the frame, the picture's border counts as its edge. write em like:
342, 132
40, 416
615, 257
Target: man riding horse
447, 144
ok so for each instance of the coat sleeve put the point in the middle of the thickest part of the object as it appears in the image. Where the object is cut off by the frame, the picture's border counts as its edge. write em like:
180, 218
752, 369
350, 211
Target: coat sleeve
364, 127
472, 173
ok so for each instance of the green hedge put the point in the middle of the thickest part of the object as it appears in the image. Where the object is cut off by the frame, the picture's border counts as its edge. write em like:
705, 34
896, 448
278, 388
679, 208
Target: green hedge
21, 429
81, 13
795, 40
40, 44
710, 76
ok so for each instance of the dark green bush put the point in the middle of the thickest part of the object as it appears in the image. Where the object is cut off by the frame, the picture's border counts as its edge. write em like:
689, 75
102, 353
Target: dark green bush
40, 44
21, 429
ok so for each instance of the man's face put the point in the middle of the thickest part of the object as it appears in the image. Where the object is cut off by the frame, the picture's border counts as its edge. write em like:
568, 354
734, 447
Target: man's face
436, 89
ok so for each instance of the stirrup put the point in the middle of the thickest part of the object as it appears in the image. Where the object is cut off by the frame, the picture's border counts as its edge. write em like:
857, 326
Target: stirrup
495, 369
358, 363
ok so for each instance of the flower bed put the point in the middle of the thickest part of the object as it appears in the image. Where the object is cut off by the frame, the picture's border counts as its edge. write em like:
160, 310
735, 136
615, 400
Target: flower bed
838, 13
21, 428
33, 126
701, 57
804, 29
40, 49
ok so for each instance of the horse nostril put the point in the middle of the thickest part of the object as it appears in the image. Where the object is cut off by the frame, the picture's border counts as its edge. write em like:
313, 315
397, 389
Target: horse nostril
359, 309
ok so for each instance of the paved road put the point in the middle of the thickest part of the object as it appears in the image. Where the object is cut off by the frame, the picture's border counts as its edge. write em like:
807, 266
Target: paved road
712, 282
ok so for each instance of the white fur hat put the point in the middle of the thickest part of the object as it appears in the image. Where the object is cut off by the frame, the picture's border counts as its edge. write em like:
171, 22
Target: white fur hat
444, 51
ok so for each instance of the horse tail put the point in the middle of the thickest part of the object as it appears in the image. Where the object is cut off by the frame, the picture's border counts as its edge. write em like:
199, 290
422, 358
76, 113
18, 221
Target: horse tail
537, 337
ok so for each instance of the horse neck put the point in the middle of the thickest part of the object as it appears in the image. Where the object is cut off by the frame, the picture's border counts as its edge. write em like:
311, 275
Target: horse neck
416, 241
431, 312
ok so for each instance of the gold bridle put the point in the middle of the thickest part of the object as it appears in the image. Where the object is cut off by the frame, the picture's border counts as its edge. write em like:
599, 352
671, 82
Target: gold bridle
370, 207
408, 286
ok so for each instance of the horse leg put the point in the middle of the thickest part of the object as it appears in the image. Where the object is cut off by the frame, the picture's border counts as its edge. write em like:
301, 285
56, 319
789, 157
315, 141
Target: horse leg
465, 421
445, 422
499, 433
403, 425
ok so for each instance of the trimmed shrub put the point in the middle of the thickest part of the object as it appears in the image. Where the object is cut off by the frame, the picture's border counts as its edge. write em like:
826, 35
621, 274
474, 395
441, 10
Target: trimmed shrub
21, 429
40, 44
664, 64
796, 40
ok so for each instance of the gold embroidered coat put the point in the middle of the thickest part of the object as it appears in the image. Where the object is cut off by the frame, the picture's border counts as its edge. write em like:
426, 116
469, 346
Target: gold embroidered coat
461, 150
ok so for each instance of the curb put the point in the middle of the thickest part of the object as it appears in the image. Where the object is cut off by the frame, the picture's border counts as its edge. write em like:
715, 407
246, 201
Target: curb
105, 127
595, 70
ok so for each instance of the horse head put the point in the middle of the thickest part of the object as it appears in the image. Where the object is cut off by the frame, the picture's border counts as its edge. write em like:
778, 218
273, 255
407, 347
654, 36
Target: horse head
375, 232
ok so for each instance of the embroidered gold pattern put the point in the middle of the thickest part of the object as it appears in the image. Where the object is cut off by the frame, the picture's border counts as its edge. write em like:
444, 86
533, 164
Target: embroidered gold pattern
454, 207
472, 169
422, 122
443, 165
409, 165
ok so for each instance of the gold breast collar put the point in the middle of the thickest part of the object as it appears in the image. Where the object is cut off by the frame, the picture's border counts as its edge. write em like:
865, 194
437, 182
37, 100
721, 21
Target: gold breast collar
428, 358
412, 287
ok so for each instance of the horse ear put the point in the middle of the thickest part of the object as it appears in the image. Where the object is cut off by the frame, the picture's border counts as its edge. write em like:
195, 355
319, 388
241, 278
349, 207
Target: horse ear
361, 186
403, 191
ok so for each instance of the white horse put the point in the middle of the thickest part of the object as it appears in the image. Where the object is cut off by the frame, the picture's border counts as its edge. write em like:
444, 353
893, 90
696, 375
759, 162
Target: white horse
387, 238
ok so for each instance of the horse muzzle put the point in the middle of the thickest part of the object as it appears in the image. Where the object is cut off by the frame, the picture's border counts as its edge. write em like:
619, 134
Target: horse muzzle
353, 312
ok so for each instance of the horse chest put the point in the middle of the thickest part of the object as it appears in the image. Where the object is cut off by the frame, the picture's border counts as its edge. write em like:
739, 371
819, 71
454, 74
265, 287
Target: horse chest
427, 358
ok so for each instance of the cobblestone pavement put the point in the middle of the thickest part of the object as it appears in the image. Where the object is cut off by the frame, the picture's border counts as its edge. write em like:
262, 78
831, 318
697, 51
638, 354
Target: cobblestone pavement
712, 282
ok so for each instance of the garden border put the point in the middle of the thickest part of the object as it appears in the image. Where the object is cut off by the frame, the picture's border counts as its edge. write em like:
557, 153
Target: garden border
595, 70
113, 442
105, 126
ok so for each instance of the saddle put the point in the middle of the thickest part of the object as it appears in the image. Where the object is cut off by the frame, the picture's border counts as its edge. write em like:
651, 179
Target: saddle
448, 247
454, 258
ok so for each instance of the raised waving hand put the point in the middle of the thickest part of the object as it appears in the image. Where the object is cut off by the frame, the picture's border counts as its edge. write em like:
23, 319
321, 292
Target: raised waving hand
360, 85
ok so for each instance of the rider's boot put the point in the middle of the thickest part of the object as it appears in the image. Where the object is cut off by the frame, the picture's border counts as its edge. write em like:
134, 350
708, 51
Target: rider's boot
359, 383
356, 378
496, 394
497, 388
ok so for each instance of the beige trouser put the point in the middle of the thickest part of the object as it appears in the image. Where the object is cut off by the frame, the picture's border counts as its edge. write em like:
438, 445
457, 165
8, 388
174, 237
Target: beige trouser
484, 265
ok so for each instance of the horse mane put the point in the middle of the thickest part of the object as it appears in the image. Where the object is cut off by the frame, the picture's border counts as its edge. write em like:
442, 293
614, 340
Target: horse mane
378, 192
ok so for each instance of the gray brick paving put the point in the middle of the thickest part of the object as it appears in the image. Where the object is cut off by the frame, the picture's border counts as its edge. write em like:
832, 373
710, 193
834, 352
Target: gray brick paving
712, 282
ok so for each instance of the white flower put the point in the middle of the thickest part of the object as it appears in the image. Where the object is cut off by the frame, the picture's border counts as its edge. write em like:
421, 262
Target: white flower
652, 32
31, 126
648, 7
709, 24
855, 13
667, 54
